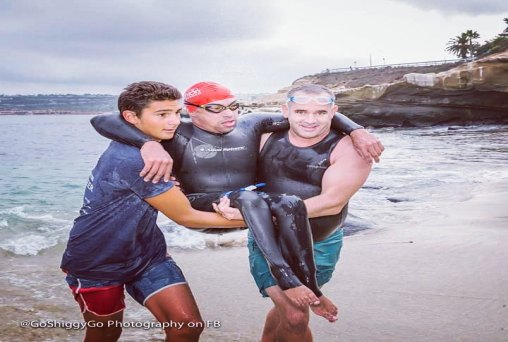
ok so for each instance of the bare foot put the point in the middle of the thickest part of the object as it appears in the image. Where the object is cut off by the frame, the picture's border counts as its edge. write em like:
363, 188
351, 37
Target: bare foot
326, 309
302, 296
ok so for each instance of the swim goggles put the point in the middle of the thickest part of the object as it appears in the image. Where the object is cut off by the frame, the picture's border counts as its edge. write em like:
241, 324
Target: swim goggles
215, 107
248, 188
302, 99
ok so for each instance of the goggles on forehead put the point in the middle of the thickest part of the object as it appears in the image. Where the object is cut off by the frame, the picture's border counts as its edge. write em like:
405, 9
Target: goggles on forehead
303, 99
215, 107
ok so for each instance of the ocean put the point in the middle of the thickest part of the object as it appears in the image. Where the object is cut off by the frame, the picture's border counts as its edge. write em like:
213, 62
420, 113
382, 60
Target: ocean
424, 175
45, 161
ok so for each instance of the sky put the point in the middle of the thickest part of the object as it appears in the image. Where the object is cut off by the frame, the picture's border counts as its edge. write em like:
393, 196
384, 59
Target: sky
251, 46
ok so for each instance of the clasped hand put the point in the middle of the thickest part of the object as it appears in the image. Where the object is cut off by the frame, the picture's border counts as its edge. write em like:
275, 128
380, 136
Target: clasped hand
224, 208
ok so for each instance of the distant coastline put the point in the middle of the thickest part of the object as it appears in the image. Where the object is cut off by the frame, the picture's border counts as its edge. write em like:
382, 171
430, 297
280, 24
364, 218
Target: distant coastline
57, 104
44, 112
466, 93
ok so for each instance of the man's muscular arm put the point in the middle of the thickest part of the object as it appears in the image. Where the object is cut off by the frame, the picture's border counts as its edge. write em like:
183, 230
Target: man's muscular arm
345, 176
158, 163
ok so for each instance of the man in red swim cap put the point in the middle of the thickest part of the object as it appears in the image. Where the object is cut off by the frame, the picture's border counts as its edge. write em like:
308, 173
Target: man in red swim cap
217, 152
212, 107
205, 92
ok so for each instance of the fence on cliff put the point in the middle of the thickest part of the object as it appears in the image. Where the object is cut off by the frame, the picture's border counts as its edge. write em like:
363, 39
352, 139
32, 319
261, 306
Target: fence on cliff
414, 64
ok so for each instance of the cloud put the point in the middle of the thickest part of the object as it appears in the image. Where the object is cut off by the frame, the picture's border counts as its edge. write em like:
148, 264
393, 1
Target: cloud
127, 20
110, 42
252, 46
470, 7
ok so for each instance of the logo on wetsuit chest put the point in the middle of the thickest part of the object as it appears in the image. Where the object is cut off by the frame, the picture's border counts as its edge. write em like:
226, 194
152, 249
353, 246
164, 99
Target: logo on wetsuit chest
206, 151
323, 164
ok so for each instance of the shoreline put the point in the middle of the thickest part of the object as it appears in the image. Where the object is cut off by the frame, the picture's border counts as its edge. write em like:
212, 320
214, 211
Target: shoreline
440, 280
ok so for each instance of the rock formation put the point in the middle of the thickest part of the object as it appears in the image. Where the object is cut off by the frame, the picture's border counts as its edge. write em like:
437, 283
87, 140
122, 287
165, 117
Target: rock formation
471, 93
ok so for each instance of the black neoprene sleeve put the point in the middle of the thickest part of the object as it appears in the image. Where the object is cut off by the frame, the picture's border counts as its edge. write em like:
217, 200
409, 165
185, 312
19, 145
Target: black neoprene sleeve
116, 128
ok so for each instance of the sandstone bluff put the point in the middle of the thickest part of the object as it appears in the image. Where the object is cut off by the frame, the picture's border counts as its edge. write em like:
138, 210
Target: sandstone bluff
467, 93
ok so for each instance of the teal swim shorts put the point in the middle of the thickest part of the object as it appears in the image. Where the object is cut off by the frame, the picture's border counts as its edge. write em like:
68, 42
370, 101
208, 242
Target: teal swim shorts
326, 255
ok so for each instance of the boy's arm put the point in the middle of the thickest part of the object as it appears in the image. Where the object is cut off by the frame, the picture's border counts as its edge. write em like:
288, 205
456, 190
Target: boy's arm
345, 176
158, 162
176, 206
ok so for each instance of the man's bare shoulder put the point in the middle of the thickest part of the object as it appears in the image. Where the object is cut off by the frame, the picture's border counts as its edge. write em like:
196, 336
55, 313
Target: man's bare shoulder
345, 151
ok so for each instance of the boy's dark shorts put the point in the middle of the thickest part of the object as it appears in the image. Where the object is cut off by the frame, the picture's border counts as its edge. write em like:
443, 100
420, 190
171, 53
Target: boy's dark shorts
106, 297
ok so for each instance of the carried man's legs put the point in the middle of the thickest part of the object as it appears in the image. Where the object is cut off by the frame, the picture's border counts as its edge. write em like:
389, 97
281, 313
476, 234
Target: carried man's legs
287, 320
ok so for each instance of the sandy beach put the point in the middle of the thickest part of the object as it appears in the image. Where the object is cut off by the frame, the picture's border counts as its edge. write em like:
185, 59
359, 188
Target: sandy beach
441, 279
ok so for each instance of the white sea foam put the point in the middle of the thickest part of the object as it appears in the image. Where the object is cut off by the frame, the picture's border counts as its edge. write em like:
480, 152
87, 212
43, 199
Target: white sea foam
27, 232
493, 175
23, 277
181, 237
14, 210
178, 236
237, 238
29, 244
20, 211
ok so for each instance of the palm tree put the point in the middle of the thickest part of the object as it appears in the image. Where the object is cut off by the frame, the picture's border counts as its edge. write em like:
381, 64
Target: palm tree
459, 46
505, 32
472, 47
463, 45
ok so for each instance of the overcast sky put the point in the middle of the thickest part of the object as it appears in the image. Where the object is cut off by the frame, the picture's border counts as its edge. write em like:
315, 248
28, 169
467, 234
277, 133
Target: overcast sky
252, 46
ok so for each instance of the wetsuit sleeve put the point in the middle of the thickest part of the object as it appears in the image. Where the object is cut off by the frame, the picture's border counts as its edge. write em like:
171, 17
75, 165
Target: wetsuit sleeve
266, 122
270, 122
116, 128
341, 123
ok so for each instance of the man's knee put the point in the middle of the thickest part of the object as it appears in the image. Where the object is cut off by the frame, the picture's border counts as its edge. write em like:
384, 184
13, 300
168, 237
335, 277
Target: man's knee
103, 328
247, 198
288, 205
295, 320
103, 334
188, 330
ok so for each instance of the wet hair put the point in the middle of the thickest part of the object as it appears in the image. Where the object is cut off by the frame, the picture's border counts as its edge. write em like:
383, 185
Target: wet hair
137, 96
311, 89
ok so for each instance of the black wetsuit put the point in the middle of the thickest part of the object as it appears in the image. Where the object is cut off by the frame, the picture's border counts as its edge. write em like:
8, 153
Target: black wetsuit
288, 169
209, 164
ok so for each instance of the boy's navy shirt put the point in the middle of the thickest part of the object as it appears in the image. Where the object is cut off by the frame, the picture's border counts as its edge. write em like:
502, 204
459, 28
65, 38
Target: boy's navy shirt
116, 236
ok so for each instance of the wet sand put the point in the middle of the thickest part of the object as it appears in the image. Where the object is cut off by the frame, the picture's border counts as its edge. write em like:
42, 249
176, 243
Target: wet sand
441, 279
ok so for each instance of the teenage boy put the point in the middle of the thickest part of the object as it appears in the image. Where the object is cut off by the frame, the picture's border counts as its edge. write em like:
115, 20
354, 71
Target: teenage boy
115, 241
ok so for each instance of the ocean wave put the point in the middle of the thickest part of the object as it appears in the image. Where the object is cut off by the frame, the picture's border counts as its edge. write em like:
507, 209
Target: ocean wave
180, 237
20, 212
488, 175
29, 233
29, 245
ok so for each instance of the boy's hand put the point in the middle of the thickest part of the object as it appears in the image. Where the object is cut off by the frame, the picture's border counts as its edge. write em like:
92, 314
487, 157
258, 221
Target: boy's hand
226, 210
158, 162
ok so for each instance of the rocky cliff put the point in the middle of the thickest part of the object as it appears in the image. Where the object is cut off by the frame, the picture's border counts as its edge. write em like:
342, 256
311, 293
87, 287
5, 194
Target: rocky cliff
470, 93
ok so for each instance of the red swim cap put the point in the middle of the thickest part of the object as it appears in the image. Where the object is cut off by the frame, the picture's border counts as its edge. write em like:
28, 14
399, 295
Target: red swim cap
205, 92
